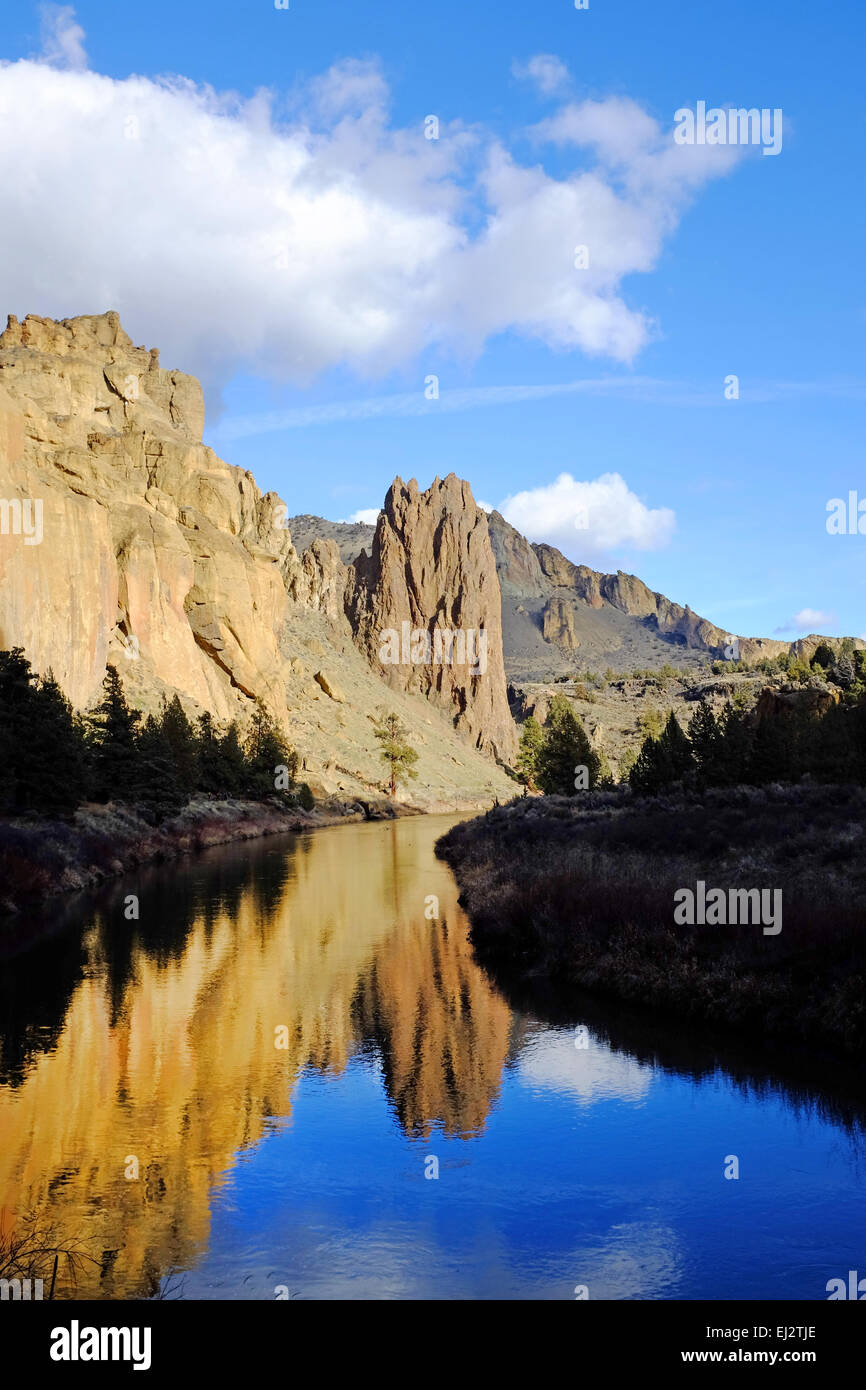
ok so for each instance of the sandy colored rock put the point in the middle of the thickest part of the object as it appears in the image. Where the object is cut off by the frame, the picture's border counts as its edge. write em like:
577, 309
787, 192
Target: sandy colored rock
330, 687
558, 626
432, 568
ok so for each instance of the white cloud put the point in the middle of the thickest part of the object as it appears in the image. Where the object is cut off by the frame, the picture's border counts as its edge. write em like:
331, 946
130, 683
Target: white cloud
415, 403
368, 515
62, 38
550, 1061
485, 506
809, 620
588, 518
234, 240
545, 70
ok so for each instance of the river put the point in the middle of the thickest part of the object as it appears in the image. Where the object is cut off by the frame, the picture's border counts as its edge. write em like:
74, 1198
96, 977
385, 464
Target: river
288, 1078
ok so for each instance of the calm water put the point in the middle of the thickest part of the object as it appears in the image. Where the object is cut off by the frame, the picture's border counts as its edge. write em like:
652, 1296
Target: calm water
153, 1045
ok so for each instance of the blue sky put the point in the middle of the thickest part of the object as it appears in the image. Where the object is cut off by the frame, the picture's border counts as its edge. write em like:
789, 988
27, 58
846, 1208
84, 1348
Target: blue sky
314, 260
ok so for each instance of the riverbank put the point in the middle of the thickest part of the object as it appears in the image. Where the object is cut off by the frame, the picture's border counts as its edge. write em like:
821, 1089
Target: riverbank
41, 858
582, 892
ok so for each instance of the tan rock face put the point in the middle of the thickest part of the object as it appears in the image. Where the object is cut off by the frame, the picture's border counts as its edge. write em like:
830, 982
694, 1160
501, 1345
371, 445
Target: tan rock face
432, 569
152, 548
518, 566
330, 687
557, 569
558, 624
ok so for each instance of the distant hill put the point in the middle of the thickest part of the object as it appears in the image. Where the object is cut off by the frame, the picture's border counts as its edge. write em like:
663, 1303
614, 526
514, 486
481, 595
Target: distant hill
350, 537
558, 617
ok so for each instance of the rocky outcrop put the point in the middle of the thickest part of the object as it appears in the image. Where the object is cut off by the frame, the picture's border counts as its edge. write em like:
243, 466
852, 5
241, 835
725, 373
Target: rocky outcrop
152, 548
431, 572
350, 537
517, 564
330, 687
780, 704
558, 624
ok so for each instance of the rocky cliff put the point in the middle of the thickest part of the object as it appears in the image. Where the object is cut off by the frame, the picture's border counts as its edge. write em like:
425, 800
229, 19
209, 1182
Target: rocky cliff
429, 586
125, 539
552, 608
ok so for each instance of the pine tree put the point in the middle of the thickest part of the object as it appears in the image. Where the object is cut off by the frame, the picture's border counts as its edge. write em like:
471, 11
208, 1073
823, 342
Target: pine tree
735, 750
565, 749
114, 727
395, 751
531, 742
209, 761
676, 749
605, 776
822, 656
58, 762
159, 785
42, 754
232, 763
266, 751
16, 698
705, 738
650, 771
182, 745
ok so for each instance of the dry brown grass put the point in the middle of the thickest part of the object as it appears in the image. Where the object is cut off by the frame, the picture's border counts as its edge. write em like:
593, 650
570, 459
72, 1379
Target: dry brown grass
582, 891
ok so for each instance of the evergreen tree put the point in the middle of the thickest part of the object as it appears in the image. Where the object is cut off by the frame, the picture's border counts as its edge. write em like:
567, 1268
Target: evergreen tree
209, 758
565, 749
605, 776
531, 741
662, 761
772, 755
266, 751
159, 785
676, 749
16, 701
395, 750
734, 753
822, 656
232, 763
58, 757
181, 742
42, 754
649, 772
114, 727
705, 738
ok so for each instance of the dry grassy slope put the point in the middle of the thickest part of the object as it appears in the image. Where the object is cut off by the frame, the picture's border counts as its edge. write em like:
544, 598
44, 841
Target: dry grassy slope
350, 537
336, 737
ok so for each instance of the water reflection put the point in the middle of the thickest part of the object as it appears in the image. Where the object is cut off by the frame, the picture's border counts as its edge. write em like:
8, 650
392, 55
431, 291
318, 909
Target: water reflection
152, 1043
156, 1040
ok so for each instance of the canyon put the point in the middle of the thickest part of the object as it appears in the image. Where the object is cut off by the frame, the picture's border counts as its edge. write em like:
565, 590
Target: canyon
160, 558
127, 540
